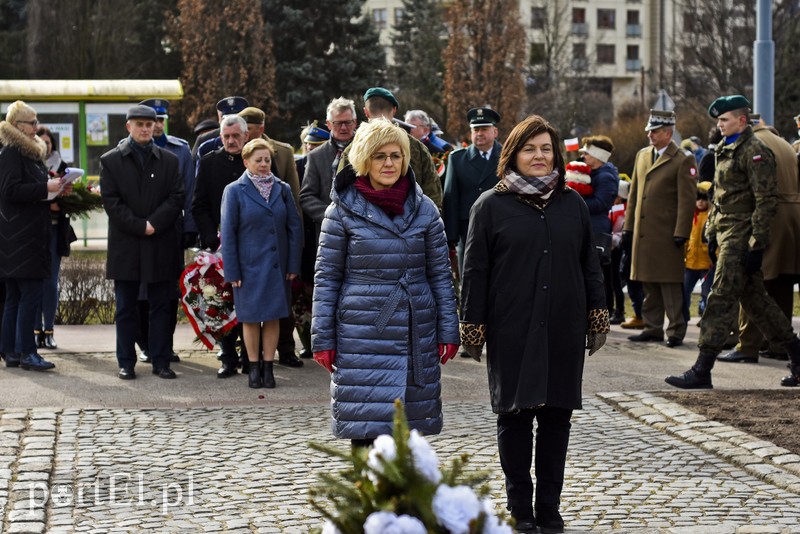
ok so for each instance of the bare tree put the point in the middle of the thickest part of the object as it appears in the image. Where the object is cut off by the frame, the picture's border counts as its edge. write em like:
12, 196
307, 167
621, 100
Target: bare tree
483, 62
230, 53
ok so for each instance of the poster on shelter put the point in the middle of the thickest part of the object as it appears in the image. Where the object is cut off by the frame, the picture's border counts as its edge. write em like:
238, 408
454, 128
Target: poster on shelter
63, 134
97, 129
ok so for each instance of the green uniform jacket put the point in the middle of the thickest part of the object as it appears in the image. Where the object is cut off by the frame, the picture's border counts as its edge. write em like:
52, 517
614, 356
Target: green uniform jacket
421, 164
745, 193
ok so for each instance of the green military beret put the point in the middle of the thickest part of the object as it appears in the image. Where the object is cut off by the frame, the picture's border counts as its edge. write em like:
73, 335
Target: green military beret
383, 93
728, 103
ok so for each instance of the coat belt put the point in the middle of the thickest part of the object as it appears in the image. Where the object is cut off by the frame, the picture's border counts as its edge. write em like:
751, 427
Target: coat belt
400, 287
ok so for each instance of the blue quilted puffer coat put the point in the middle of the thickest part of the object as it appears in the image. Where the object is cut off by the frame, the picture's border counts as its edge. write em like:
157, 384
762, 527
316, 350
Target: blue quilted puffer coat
383, 300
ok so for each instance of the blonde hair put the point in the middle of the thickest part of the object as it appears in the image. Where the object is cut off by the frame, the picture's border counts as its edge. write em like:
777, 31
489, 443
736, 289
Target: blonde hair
256, 144
373, 135
19, 111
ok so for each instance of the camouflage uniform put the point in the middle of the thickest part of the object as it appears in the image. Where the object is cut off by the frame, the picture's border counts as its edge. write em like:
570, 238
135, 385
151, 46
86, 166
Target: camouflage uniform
745, 201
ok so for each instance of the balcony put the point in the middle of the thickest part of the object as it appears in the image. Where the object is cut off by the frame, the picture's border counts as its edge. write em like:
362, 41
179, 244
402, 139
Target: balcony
580, 29
579, 63
633, 30
633, 65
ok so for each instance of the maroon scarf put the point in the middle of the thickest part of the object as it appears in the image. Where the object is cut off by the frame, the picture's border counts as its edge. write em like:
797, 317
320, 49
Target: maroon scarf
389, 200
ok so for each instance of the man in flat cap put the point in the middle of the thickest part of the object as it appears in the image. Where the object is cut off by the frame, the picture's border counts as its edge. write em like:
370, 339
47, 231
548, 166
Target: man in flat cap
230, 105
284, 168
470, 172
179, 147
658, 223
380, 102
143, 196
738, 232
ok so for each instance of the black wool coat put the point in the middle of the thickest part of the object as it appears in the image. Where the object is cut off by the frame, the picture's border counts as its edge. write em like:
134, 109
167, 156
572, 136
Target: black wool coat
133, 195
531, 275
216, 170
24, 212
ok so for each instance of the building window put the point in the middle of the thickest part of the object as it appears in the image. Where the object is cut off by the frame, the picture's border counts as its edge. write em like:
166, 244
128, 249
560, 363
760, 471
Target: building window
538, 17
632, 26
538, 54
579, 61
605, 54
379, 18
632, 61
398, 15
689, 55
606, 19
579, 26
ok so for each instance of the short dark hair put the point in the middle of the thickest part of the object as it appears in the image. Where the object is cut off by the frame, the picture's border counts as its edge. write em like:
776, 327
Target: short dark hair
379, 106
532, 126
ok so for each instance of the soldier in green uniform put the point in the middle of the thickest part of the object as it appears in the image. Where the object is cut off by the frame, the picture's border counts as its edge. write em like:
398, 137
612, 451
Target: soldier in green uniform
745, 200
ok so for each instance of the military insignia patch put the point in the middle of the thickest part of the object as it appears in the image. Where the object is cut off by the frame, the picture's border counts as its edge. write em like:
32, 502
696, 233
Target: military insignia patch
692, 171
757, 157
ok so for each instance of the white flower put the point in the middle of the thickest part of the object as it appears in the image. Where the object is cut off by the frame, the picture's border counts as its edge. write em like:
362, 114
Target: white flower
493, 525
455, 507
383, 447
330, 528
425, 460
389, 523
209, 291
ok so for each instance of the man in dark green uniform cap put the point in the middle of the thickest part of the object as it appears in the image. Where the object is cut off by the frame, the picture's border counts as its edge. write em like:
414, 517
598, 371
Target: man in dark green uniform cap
745, 199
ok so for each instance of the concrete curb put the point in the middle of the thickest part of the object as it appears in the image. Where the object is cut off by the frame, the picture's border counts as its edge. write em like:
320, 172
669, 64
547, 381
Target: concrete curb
760, 458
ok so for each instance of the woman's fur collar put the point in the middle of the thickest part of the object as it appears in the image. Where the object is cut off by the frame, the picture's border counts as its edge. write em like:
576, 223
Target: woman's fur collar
10, 136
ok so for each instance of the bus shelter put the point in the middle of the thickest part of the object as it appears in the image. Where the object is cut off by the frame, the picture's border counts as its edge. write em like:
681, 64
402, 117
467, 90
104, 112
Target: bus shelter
87, 118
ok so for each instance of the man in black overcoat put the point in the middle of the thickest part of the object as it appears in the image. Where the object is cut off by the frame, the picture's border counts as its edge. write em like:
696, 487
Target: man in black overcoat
470, 172
143, 196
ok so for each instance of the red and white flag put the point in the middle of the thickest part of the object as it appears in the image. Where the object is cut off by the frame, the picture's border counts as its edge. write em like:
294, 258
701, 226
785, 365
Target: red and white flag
572, 144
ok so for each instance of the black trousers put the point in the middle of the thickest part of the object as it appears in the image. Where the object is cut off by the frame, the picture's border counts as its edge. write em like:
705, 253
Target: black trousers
515, 443
286, 334
143, 334
160, 296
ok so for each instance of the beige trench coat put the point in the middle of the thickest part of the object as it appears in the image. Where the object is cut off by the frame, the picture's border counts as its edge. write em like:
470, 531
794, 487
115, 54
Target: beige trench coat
783, 252
660, 208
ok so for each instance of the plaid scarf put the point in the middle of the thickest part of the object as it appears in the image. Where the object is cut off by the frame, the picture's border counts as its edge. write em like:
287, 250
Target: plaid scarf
531, 185
262, 183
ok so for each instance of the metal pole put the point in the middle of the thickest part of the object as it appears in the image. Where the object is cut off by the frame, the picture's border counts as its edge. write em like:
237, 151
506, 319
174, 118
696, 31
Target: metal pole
764, 63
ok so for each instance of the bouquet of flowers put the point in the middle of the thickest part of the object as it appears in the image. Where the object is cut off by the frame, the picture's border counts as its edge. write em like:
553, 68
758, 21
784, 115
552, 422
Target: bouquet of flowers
83, 200
207, 299
397, 487
440, 162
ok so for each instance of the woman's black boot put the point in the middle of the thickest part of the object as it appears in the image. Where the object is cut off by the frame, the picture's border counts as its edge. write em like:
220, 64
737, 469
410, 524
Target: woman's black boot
254, 375
39, 338
267, 378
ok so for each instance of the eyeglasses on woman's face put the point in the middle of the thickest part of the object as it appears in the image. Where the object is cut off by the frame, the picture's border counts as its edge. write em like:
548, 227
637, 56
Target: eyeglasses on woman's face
395, 157
33, 123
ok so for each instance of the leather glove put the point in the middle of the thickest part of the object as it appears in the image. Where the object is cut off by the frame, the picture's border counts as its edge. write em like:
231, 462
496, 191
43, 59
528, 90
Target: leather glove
627, 241
325, 358
594, 342
211, 243
447, 351
752, 261
712, 249
679, 241
189, 239
474, 351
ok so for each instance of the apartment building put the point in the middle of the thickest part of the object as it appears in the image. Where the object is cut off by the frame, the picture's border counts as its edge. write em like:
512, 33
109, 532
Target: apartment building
622, 46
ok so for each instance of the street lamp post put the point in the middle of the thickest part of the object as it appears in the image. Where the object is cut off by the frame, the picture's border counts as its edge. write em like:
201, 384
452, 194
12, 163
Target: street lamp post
764, 63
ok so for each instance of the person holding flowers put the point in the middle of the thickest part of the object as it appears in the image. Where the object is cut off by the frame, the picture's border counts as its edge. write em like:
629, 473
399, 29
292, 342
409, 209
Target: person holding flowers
384, 309
533, 292
261, 240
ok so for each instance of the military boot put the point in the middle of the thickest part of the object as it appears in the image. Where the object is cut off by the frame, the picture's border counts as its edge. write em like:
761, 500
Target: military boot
793, 350
699, 376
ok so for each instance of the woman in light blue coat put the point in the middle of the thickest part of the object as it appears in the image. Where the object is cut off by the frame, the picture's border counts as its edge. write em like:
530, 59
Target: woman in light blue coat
384, 312
261, 244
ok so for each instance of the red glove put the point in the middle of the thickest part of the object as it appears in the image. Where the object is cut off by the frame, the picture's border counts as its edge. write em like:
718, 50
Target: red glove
325, 359
447, 351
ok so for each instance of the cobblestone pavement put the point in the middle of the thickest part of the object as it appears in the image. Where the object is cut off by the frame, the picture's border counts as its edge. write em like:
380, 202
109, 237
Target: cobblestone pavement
651, 467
